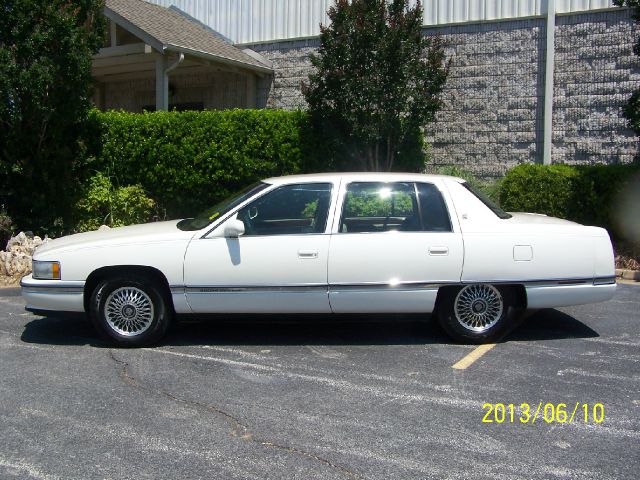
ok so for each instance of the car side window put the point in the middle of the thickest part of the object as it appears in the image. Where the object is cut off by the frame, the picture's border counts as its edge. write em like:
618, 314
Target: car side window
434, 213
288, 210
380, 207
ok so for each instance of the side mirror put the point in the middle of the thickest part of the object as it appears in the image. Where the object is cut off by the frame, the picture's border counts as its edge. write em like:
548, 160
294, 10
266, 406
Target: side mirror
234, 228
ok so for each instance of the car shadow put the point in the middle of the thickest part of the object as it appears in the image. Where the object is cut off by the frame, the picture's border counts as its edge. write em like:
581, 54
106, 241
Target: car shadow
548, 324
312, 330
61, 331
234, 330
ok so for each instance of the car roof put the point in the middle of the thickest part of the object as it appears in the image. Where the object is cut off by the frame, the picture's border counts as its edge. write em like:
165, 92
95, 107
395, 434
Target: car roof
359, 176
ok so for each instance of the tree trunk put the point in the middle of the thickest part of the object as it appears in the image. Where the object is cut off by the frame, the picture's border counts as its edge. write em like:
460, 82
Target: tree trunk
377, 157
370, 161
387, 160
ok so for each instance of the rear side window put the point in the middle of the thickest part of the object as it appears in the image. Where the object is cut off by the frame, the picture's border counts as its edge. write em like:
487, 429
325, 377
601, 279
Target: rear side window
380, 207
500, 213
433, 210
393, 206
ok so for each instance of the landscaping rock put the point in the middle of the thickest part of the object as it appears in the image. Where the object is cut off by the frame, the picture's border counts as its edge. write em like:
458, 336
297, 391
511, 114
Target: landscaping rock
15, 261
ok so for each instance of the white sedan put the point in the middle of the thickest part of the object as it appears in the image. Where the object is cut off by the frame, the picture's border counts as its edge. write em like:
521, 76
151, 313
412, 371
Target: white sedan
327, 243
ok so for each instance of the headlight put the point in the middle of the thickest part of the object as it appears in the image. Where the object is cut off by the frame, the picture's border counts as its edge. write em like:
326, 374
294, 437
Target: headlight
46, 270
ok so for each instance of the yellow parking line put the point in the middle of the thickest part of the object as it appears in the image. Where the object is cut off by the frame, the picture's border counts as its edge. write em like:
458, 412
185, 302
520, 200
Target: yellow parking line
480, 350
477, 352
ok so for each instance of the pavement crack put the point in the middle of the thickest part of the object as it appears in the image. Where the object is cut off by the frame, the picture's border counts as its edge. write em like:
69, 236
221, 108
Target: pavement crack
237, 428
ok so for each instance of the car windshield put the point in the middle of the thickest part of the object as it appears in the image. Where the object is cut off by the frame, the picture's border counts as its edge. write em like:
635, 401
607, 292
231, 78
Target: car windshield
487, 201
219, 209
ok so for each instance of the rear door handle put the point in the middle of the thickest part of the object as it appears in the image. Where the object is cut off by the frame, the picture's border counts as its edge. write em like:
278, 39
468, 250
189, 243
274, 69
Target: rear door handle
307, 254
438, 250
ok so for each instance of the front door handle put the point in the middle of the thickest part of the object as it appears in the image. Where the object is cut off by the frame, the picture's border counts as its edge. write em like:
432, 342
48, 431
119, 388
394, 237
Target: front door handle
438, 250
307, 254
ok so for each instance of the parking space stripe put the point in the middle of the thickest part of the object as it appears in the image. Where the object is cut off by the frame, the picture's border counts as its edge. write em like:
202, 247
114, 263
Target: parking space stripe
480, 350
477, 352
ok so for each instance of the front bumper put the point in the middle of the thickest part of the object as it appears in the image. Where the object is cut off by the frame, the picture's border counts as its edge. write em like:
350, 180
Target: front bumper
52, 295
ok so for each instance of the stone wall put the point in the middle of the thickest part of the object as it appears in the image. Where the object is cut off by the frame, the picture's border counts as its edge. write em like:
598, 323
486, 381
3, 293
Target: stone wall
595, 73
493, 114
291, 65
491, 119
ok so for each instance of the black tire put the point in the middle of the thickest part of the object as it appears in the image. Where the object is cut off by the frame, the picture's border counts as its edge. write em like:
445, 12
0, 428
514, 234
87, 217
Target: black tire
477, 313
130, 311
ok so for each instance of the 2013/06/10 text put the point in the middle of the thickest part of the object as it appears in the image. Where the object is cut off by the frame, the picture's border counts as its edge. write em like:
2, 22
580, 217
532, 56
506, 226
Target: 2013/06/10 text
547, 412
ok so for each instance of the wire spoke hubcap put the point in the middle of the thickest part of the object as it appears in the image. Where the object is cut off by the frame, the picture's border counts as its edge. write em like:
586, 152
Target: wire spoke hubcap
129, 311
478, 307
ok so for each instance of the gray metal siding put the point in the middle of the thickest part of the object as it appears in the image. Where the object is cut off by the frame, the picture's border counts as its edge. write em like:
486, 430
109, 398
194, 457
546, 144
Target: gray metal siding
251, 21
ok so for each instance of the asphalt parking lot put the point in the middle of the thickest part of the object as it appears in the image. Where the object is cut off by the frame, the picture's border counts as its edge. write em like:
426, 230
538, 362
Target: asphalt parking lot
323, 398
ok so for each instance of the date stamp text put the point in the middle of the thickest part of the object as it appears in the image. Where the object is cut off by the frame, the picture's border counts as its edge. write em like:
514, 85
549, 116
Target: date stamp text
543, 412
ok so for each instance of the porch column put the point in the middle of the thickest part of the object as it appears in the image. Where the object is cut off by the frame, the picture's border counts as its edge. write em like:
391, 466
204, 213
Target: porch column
162, 84
251, 92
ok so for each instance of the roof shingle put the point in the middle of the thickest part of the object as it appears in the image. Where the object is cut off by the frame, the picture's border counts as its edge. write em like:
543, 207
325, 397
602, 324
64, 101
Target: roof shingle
175, 31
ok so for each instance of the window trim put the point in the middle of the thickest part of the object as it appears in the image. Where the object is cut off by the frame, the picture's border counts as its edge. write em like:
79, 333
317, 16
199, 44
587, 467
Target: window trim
419, 204
213, 226
344, 202
343, 197
446, 208
487, 202
248, 193
327, 226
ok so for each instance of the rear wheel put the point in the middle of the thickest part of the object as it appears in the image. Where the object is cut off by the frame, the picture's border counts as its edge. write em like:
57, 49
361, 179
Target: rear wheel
130, 311
475, 313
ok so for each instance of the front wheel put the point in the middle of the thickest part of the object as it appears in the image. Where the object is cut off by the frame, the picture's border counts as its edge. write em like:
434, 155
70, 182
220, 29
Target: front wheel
129, 311
475, 313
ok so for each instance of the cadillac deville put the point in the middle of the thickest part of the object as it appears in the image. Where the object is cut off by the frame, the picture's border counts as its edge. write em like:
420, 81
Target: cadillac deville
327, 243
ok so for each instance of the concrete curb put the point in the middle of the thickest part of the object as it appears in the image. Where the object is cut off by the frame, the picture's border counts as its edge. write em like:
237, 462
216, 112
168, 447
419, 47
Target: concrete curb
628, 274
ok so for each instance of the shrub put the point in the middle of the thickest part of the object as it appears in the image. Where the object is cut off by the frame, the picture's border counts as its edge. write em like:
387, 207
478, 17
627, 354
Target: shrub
104, 204
585, 194
377, 82
187, 161
541, 189
45, 89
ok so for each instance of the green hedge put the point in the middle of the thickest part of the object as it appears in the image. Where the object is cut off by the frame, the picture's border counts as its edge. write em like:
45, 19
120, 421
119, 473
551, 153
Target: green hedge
585, 194
187, 161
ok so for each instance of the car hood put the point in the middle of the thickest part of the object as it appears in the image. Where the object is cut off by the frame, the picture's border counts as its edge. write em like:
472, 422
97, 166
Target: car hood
144, 233
538, 219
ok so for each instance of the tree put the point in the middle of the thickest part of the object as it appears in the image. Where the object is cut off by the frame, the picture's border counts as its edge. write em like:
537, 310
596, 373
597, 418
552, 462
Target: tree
376, 83
45, 87
632, 109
